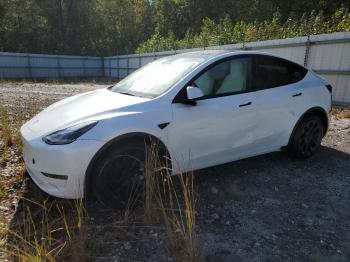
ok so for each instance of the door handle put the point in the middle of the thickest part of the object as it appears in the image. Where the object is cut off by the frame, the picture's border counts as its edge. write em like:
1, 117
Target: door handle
298, 94
247, 104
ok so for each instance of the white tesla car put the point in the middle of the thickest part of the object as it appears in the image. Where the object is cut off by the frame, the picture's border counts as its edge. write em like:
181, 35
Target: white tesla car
204, 108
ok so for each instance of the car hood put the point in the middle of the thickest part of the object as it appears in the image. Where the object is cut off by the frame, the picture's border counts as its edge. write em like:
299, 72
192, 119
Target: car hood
92, 105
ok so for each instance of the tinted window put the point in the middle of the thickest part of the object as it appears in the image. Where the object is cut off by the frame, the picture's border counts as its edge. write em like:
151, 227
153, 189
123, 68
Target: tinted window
296, 72
228, 77
273, 72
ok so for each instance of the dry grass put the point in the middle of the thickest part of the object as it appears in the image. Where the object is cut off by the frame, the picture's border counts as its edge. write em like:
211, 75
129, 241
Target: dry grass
5, 128
3, 190
76, 234
48, 230
10, 135
175, 198
179, 216
7, 184
178, 209
17, 140
36, 239
21, 170
340, 113
46, 238
3, 231
10, 139
60, 232
151, 189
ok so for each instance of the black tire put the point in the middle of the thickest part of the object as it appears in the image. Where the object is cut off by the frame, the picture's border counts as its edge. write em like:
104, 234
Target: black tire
118, 177
307, 137
119, 174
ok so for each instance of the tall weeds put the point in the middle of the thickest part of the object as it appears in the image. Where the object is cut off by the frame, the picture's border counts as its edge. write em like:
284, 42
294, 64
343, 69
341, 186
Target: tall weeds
43, 237
174, 197
10, 132
17, 139
54, 230
5, 128
76, 231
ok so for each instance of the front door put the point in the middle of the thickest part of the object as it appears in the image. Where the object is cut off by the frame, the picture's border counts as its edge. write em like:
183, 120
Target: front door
220, 127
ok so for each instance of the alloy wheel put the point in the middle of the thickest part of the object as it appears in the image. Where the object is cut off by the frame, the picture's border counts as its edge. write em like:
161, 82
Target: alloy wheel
310, 137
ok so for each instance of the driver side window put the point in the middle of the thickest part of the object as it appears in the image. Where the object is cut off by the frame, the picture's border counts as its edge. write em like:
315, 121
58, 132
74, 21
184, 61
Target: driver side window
228, 77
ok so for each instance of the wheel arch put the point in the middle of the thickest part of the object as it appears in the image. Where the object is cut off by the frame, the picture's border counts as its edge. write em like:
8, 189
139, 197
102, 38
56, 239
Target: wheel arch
318, 111
141, 136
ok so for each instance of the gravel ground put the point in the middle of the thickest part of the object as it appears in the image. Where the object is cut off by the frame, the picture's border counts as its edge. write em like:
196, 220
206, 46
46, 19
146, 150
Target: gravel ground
29, 96
266, 208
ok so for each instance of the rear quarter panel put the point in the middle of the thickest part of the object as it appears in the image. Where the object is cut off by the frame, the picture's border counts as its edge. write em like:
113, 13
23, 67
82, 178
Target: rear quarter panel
314, 95
315, 92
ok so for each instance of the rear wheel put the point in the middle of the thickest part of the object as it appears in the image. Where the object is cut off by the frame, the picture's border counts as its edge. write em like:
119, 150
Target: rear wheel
307, 137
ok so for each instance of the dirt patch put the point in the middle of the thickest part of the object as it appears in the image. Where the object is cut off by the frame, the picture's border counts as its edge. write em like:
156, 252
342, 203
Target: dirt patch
266, 208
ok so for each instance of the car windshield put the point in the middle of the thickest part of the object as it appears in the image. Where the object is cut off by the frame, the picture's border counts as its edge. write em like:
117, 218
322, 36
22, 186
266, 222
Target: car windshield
157, 77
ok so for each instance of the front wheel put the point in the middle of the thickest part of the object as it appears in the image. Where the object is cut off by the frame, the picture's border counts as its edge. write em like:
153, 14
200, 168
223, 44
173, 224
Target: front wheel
119, 175
307, 137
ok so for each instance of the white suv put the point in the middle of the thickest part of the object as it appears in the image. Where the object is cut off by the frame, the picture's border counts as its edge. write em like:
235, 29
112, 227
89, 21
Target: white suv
204, 108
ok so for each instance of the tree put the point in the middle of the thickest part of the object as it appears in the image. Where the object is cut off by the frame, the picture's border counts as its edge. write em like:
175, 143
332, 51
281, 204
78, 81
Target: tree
110, 27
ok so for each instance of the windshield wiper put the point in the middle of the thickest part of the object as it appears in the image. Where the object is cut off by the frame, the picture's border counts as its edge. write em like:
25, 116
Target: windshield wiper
133, 94
126, 93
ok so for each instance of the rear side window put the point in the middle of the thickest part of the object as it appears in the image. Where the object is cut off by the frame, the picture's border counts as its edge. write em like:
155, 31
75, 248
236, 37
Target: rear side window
296, 72
272, 72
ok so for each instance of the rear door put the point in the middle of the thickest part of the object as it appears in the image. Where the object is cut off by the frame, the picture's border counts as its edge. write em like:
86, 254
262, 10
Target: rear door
279, 100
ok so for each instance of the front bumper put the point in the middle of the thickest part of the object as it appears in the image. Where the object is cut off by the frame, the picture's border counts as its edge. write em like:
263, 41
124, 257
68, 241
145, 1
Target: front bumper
66, 163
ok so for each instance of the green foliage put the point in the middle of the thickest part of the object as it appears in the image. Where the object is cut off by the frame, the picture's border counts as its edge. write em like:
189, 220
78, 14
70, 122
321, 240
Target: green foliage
79, 27
112, 27
226, 32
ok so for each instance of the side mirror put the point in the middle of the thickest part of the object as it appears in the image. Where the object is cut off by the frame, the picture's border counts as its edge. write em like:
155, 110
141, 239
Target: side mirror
193, 92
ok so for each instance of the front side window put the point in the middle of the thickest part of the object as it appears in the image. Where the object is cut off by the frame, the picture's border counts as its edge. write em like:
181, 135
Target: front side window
273, 72
157, 77
229, 77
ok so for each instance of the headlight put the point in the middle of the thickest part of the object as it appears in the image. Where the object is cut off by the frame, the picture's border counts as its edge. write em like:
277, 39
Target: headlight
68, 135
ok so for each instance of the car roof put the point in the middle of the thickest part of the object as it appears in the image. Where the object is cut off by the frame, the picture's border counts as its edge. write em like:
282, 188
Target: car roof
210, 53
